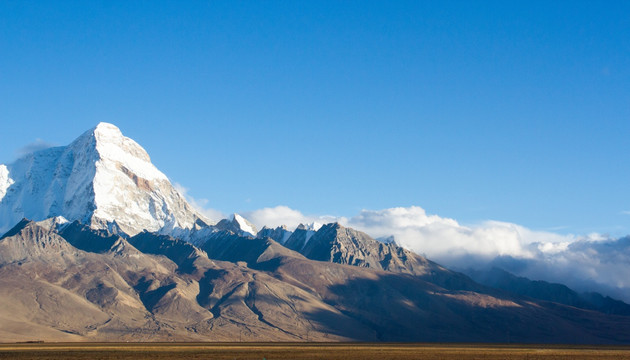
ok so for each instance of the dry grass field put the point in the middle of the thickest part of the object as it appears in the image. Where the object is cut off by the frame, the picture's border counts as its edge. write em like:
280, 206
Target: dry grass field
273, 351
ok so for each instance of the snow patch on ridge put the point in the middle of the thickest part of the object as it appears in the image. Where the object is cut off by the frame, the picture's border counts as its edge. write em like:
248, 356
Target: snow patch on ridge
244, 225
311, 229
53, 223
5, 181
285, 237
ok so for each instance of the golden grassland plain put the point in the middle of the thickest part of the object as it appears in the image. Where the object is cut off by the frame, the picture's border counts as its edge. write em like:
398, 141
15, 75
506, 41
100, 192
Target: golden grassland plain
278, 351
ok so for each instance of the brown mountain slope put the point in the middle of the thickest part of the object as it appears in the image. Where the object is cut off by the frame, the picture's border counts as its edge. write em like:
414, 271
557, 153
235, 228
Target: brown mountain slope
407, 308
438, 305
152, 288
126, 294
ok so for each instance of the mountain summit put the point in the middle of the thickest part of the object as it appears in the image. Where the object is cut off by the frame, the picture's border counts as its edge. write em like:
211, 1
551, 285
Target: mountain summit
102, 178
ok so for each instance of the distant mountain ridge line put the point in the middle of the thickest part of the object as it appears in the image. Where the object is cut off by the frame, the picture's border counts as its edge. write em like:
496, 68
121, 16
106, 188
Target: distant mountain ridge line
116, 253
152, 286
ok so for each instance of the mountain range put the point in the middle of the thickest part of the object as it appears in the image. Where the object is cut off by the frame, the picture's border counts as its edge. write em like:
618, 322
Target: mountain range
99, 246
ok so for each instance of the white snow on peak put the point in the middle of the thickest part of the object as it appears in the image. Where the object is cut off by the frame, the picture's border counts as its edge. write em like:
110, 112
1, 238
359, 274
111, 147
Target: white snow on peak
101, 177
105, 129
53, 223
244, 225
314, 226
113, 146
5, 180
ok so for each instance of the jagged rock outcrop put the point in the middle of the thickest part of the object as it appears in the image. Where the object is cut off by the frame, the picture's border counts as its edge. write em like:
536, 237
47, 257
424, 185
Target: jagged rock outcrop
335, 243
238, 225
338, 244
301, 235
29, 241
280, 234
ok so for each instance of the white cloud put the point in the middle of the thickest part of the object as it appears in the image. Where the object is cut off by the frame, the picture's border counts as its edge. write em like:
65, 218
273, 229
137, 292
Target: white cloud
201, 205
588, 262
438, 237
284, 215
444, 239
591, 262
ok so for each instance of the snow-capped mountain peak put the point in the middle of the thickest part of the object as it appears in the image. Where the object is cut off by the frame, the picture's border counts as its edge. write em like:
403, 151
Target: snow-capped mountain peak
112, 145
238, 225
101, 178
245, 225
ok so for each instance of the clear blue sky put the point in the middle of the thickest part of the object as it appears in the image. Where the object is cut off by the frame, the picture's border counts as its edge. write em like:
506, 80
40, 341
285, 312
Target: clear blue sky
512, 111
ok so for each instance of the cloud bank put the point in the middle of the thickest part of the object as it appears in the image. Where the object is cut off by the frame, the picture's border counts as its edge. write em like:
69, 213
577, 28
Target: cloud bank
284, 215
589, 262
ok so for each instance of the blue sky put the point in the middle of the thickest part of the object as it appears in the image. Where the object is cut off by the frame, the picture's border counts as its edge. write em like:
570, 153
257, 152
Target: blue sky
510, 111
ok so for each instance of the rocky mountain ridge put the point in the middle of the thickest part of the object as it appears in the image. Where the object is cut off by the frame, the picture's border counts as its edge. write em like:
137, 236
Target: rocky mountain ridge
115, 253
153, 287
